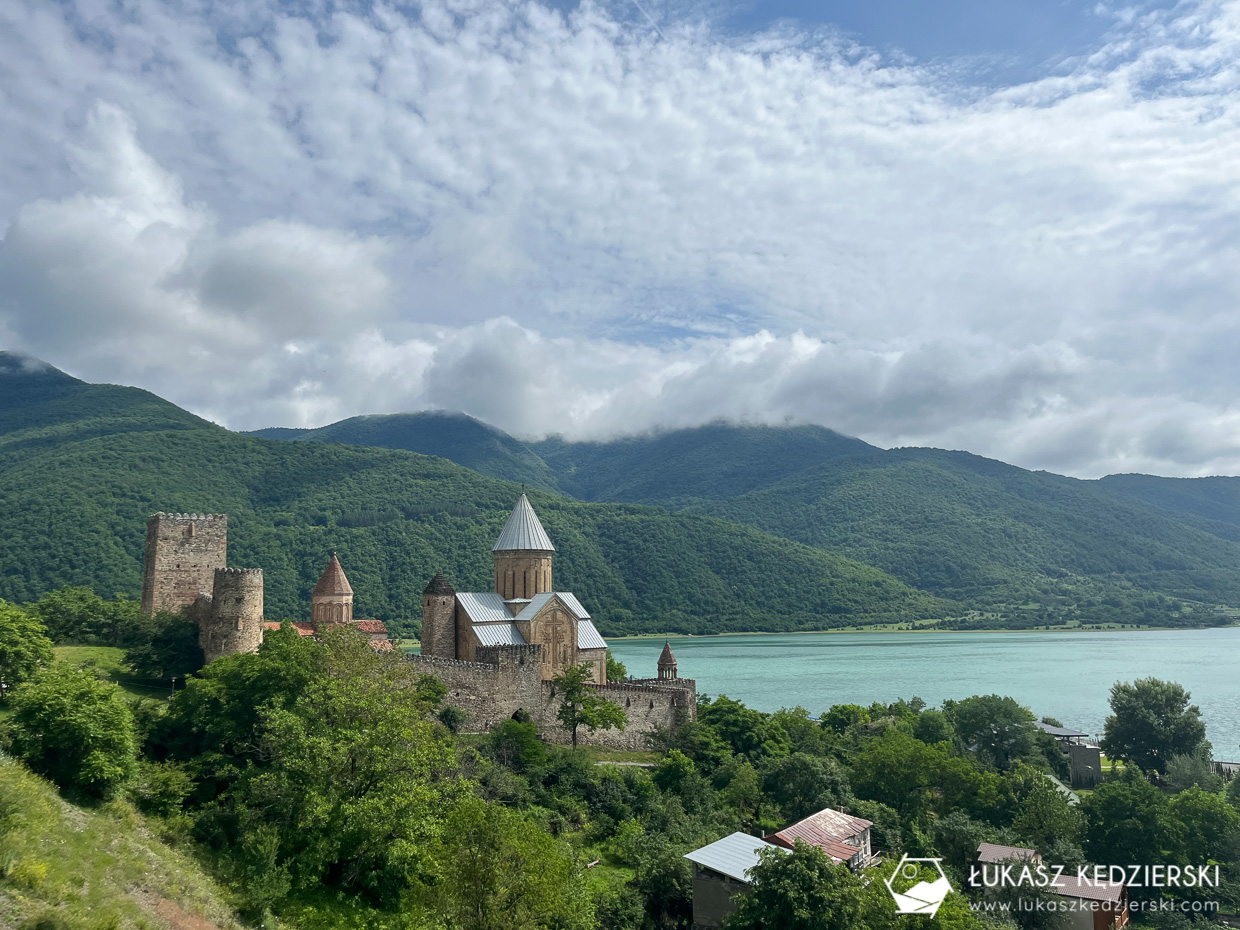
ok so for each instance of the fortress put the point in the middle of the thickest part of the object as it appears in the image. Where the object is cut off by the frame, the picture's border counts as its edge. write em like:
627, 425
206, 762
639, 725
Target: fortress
497, 652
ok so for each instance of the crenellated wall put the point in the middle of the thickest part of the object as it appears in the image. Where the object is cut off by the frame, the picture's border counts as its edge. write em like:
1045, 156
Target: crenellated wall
506, 679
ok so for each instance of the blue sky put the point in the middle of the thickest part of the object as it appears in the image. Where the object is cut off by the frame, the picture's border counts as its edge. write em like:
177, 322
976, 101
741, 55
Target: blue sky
1002, 227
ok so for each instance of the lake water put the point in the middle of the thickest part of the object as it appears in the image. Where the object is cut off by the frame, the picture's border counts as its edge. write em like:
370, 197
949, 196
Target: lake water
1062, 675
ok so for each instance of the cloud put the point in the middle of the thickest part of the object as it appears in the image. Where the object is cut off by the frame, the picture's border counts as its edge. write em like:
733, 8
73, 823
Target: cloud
570, 223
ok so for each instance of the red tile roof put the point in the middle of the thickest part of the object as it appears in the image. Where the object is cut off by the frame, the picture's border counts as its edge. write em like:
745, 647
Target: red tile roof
303, 629
370, 626
828, 830
333, 581
381, 645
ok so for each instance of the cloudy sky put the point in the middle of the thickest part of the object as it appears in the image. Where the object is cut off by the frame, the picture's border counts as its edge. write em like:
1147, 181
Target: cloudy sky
1007, 226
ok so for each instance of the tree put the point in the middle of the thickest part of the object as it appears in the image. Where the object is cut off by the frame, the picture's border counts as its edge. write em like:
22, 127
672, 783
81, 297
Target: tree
1151, 721
615, 669
24, 646
492, 869
78, 614
168, 647
75, 729
932, 726
1211, 826
1197, 769
798, 890
748, 732
1128, 821
580, 706
351, 774
1000, 728
515, 744
802, 784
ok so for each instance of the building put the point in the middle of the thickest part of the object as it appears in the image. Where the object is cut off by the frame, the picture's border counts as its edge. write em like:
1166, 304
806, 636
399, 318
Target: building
498, 651
185, 569
1084, 755
1092, 905
331, 604
721, 871
841, 836
524, 609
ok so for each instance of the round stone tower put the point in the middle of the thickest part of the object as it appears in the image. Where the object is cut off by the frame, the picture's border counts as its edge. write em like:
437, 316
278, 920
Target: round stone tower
235, 623
667, 662
522, 555
439, 618
332, 598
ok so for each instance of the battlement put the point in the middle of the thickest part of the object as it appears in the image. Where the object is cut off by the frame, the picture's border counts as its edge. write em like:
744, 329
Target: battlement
188, 516
442, 663
239, 571
510, 655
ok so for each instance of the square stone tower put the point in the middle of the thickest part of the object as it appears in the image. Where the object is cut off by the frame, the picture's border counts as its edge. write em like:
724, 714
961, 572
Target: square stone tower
183, 550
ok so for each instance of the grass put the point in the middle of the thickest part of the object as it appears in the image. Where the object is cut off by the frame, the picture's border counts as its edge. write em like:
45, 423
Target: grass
110, 661
96, 869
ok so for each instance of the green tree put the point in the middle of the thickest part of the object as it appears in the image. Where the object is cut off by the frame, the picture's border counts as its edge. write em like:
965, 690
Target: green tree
1211, 826
492, 869
748, 732
615, 669
1195, 769
78, 614
167, 647
802, 784
912, 777
515, 744
581, 707
1151, 721
932, 726
842, 716
1129, 821
24, 647
798, 890
75, 729
352, 774
1000, 728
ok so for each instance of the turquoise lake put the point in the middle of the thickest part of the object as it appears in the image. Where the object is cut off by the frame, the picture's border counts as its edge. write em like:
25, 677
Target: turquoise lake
1063, 675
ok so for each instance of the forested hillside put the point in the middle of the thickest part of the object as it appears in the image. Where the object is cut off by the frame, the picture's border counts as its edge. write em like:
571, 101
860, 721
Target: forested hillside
1025, 544
82, 466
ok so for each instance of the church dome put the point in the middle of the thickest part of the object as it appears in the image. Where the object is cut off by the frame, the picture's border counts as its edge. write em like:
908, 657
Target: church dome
439, 585
523, 531
333, 582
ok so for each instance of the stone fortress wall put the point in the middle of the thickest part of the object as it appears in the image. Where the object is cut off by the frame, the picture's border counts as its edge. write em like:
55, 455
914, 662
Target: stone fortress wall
183, 550
505, 679
235, 621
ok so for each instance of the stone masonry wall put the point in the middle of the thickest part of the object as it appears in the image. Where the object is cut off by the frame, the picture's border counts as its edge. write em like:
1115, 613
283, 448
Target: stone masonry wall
492, 691
235, 621
183, 550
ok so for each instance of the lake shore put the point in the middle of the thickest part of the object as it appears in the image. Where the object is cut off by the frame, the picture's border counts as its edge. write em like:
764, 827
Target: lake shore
888, 630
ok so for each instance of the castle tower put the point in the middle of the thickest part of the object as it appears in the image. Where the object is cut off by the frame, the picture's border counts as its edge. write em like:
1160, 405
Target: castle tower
183, 550
332, 599
667, 662
522, 555
235, 621
439, 618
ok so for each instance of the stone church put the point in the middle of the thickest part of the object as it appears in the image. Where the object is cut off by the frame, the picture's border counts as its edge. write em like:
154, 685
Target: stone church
524, 609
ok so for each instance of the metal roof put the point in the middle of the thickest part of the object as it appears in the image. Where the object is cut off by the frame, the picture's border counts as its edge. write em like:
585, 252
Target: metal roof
498, 634
485, 607
523, 531
1076, 886
828, 830
1063, 732
588, 637
571, 602
734, 855
994, 852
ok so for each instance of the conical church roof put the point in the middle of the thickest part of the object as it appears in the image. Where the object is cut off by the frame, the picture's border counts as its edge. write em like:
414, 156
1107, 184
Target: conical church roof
666, 657
333, 581
439, 585
523, 531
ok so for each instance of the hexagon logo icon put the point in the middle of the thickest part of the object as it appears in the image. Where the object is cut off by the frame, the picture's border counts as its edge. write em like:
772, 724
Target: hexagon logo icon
912, 893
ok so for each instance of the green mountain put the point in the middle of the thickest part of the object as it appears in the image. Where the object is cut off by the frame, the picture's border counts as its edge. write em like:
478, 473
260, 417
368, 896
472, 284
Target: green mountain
82, 466
956, 524
452, 436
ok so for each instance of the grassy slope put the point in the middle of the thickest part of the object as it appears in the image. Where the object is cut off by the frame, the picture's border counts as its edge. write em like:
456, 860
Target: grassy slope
81, 469
97, 868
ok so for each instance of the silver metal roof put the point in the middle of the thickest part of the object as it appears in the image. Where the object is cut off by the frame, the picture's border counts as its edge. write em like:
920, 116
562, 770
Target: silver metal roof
570, 601
733, 855
484, 607
588, 637
498, 634
523, 531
